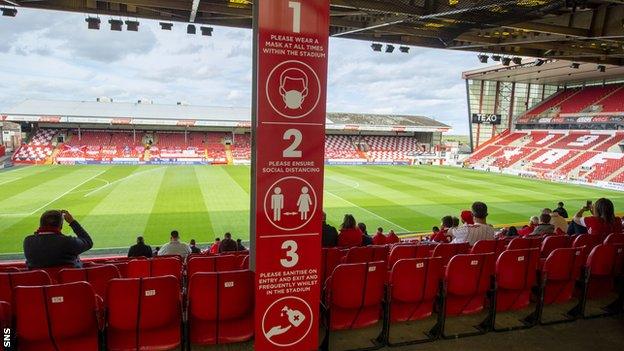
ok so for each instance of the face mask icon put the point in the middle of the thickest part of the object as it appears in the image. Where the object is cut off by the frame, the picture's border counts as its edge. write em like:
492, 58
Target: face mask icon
293, 87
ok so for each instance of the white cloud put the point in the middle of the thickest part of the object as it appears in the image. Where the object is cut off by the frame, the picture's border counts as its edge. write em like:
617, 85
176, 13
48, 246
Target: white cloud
57, 57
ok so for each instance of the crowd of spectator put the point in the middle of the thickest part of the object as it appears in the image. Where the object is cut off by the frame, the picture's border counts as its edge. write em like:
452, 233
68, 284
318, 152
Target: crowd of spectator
49, 247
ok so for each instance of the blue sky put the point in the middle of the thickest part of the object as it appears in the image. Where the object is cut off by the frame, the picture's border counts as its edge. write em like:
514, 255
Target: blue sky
52, 55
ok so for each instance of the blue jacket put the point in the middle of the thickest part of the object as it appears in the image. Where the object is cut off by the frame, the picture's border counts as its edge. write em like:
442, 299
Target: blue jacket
54, 250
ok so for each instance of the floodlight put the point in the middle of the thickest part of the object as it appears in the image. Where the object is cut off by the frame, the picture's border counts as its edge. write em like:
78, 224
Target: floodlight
483, 58
376, 46
517, 60
496, 58
206, 31
9, 12
190, 29
93, 23
115, 24
601, 68
539, 62
166, 25
389, 48
404, 49
132, 26
575, 65
506, 61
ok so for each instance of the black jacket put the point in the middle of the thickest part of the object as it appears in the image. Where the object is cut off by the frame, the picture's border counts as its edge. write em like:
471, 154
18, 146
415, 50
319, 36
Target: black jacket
140, 250
561, 211
53, 250
330, 236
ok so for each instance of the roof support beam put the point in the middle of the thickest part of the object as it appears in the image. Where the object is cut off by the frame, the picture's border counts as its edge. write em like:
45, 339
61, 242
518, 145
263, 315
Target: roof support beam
551, 29
383, 22
194, 9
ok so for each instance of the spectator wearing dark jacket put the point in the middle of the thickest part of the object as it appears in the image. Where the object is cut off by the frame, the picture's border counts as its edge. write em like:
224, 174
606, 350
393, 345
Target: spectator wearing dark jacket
330, 234
544, 227
140, 249
193, 246
228, 244
561, 210
239, 244
49, 247
366, 239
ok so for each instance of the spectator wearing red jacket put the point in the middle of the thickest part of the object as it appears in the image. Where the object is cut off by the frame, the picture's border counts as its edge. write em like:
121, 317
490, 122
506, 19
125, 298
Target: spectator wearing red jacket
214, 249
392, 238
528, 230
602, 220
379, 238
441, 236
350, 235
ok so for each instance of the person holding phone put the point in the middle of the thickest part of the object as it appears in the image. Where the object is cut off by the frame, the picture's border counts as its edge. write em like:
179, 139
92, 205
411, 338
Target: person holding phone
602, 220
49, 247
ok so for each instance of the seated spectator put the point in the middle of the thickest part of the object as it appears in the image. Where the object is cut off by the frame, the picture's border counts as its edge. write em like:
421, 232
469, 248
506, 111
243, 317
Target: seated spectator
560, 223
379, 238
350, 235
561, 211
140, 249
193, 246
528, 229
330, 234
392, 238
441, 236
239, 245
455, 222
175, 246
602, 220
49, 247
512, 232
480, 230
544, 227
156, 249
466, 217
451, 229
214, 248
228, 244
366, 239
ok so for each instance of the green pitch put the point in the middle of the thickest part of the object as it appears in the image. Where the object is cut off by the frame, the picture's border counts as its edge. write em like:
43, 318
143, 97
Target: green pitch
117, 203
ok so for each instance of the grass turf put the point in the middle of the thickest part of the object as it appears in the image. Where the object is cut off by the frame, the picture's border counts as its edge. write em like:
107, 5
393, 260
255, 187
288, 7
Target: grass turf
117, 203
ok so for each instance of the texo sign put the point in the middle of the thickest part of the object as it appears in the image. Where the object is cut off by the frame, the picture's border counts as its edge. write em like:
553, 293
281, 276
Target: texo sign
291, 39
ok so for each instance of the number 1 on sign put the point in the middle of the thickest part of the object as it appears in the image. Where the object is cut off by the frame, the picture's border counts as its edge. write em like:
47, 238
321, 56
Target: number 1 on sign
296, 6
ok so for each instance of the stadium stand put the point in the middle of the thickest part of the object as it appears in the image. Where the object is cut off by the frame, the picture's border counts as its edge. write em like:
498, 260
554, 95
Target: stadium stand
38, 149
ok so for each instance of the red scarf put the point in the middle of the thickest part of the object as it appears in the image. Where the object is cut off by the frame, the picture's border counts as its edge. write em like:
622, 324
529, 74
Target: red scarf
48, 230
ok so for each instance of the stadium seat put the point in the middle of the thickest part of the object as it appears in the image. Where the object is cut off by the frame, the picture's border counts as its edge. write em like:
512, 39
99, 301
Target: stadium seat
399, 252
213, 264
604, 265
9, 269
155, 268
56, 317
447, 251
489, 246
559, 275
553, 242
467, 282
330, 258
516, 275
10, 280
144, 313
353, 297
361, 254
412, 291
615, 238
524, 243
97, 276
221, 307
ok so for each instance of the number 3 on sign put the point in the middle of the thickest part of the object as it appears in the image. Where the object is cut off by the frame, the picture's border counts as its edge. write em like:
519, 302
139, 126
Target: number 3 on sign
292, 258
296, 6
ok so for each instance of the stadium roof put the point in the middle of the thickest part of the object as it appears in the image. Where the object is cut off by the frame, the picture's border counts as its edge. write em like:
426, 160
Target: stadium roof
589, 30
554, 72
146, 113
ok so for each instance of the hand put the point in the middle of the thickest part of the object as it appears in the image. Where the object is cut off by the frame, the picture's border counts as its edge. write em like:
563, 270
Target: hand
67, 216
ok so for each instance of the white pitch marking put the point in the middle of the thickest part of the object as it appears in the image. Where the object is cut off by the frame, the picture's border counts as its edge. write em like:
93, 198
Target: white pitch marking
365, 210
65, 193
119, 180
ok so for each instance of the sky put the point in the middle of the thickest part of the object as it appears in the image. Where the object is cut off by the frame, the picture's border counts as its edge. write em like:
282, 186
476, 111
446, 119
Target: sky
52, 55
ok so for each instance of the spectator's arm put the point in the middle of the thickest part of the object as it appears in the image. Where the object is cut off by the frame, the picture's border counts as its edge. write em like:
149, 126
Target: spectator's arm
578, 217
82, 242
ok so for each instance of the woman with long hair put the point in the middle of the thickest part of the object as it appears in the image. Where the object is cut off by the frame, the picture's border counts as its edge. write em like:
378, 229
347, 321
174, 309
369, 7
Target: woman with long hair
602, 220
350, 235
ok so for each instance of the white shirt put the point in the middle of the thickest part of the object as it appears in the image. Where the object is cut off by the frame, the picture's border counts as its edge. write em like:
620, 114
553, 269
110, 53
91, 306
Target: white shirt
473, 233
175, 247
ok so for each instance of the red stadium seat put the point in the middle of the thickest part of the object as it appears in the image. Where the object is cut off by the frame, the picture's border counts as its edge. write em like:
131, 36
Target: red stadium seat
144, 313
516, 275
353, 296
615, 238
585, 240
413, 288
467, 281
560, 272
524, 243
447, 251
97, 276
213, 264
330, 258
245, 263
27, 278
399, 252
553, 242
9, 269
221, 307
485, 246
604, 265
56, 317
360, 254
156, 267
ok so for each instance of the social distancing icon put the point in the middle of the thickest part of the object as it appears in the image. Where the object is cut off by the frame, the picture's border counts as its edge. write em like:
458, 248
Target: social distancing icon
293, 89
287, 321
290, 203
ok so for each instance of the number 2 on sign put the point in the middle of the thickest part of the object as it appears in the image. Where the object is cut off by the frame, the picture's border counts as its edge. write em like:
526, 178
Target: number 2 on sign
292, 258
292, 151
296, 6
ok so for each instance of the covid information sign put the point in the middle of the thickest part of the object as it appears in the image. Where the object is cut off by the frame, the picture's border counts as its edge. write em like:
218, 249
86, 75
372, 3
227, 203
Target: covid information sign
289, 129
